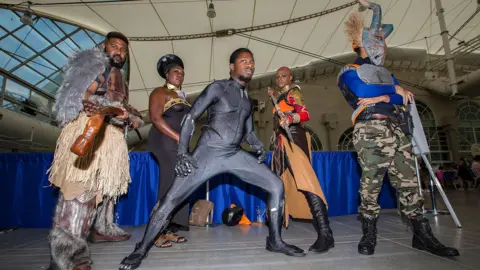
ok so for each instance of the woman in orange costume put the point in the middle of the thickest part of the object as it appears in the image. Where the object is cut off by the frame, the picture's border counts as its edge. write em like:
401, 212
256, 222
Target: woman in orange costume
292, 162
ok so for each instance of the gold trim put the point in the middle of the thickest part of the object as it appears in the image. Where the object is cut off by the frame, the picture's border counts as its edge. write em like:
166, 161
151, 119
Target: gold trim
285, 88
174, 101
172, 87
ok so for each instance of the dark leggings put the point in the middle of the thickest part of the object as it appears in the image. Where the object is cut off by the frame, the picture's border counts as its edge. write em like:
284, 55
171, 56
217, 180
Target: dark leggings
166, 160
211, 162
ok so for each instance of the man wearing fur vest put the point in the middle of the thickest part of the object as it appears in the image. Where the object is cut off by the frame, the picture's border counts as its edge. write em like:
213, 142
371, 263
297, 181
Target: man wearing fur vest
91, 163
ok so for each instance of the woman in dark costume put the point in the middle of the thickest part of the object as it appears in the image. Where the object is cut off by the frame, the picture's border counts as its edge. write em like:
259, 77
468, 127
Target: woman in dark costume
167, 107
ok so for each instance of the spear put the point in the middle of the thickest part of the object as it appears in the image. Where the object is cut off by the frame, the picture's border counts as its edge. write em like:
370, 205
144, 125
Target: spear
282, 115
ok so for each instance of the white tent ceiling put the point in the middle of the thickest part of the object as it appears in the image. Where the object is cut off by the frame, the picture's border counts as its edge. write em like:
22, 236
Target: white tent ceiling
206, 59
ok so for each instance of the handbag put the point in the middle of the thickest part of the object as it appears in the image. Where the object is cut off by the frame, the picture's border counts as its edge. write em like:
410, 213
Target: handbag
200, 211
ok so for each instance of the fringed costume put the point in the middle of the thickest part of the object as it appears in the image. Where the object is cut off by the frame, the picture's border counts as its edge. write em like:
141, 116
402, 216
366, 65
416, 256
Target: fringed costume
89, 184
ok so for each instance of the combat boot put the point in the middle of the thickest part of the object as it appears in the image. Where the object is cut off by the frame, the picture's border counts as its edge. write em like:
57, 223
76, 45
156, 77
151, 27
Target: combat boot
369, 240
423, 239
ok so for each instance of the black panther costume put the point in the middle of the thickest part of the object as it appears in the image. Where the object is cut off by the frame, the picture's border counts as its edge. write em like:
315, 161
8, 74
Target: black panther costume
230, 121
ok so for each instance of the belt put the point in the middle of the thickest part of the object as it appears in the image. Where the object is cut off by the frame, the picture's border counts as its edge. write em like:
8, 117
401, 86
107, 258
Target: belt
371, 113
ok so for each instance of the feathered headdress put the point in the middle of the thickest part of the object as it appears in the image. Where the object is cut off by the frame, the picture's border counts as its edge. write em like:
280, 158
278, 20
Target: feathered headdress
353, 29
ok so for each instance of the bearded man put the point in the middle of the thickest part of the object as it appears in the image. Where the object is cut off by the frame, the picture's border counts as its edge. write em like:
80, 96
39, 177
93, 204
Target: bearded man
91, 163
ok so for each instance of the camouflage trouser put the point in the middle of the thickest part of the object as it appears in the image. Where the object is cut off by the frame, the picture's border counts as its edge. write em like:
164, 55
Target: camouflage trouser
382, 146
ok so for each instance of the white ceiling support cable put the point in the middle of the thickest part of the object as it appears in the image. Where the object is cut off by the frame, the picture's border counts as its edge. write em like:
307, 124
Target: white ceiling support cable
281, 37
463, 25
313, 55
464, 49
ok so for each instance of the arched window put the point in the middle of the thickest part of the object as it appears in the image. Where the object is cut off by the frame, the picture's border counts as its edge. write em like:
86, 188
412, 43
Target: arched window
32, 58
346, 141
468, 114
436, 137
426, 115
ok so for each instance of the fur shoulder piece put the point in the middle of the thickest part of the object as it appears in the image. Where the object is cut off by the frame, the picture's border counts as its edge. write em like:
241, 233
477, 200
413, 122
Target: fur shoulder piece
82, 69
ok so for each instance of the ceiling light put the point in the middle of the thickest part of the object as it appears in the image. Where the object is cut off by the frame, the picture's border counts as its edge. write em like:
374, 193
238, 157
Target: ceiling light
27, 17
211, 11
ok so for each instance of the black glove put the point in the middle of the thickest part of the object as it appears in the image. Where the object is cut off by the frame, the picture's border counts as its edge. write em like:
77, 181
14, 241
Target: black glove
262, 155
185, 164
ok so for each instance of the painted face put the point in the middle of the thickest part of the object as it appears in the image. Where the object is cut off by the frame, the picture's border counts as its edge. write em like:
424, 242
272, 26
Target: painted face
374, 44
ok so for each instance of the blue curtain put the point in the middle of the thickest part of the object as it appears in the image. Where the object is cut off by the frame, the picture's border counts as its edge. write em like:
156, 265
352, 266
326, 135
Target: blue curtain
28, 200
25, 195
134, 207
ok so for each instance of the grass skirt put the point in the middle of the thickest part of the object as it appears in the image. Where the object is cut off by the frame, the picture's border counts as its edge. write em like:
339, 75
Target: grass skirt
105, 170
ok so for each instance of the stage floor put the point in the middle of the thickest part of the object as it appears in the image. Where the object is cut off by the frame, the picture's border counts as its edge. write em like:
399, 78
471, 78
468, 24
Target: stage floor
243, 247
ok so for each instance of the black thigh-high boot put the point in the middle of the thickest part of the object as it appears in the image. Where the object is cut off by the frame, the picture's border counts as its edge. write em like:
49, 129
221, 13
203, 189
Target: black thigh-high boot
72, 222
321, 224
274, 240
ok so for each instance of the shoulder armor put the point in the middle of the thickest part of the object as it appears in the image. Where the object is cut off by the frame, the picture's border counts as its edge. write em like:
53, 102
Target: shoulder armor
293, 86
346, 68
297, 95
371, 74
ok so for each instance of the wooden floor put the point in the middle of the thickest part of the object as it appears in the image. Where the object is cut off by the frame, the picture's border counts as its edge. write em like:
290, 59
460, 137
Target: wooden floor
243, 247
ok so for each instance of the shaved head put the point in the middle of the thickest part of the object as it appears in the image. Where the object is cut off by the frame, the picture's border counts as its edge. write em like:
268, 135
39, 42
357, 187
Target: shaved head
283, 77
284, 69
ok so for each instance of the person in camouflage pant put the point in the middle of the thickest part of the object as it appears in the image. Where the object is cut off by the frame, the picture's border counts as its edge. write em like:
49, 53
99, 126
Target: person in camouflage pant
382, 146
379, 109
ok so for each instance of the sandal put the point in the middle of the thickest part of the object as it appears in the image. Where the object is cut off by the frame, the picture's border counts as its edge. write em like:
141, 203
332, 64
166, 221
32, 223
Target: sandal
163, 241
175, 238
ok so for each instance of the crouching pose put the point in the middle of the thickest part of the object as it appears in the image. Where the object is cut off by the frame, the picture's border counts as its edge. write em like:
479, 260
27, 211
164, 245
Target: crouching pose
218, 151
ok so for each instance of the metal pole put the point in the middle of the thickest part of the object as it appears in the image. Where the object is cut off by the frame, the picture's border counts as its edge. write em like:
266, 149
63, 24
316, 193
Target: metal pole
3, 90
446, 46
442, 193
418, 177
434, 210
207, 197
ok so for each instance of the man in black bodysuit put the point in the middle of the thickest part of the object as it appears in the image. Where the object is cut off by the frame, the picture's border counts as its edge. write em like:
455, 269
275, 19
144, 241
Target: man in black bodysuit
230, 121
